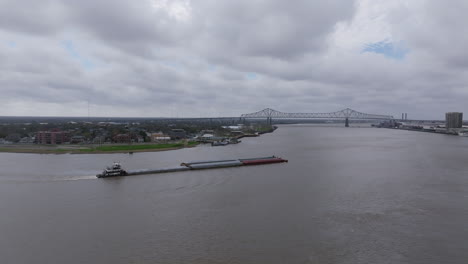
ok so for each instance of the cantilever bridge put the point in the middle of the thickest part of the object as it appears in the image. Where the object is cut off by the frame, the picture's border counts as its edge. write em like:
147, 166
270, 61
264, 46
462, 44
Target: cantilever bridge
345, 114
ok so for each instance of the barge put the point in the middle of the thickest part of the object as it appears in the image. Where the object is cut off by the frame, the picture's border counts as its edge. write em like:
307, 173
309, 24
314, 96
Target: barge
116, 169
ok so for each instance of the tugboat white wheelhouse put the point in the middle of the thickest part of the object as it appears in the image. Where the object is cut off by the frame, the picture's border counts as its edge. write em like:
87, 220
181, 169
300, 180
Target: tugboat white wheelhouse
114, 170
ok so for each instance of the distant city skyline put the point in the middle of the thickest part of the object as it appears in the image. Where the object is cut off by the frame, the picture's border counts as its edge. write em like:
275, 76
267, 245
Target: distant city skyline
185, 58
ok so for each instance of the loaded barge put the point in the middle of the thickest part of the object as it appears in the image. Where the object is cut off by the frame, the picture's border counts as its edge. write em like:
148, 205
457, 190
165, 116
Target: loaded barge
116, 169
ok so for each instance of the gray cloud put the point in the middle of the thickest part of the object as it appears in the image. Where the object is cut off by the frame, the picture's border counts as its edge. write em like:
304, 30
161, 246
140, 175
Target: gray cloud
211, 57
32, 17
273, 29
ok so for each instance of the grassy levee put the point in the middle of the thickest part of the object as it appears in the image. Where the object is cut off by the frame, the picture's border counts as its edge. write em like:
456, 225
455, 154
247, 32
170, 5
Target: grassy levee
138, 147
98, 149
34, 150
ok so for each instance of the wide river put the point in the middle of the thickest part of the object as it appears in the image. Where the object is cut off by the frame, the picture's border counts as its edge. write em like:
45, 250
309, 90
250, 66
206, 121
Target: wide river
347, 195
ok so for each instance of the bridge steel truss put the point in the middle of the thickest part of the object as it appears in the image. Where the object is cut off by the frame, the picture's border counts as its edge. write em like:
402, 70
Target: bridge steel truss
345, 114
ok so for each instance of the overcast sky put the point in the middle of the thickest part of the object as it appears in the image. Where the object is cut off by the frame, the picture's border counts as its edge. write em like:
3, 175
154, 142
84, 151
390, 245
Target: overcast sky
225, 58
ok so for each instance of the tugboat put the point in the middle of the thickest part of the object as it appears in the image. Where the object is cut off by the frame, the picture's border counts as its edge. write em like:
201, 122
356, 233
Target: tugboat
114, 170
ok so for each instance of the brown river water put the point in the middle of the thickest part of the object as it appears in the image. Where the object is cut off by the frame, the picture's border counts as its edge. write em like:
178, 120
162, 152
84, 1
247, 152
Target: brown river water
347, 195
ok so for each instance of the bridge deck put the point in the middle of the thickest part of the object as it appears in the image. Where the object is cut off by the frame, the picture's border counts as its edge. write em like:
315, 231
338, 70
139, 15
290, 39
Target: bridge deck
342, 114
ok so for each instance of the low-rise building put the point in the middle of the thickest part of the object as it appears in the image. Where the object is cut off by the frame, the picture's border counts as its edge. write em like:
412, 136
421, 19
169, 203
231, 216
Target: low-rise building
99, 140
205, 131
238, 127
52, 137
207, 137
237, 133
158, 136
177, 134
77, 139
122, 138
27, 140
13, 137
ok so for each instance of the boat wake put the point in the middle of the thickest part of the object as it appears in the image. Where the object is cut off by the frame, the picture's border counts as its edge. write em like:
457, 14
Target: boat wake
47, 179
76, 178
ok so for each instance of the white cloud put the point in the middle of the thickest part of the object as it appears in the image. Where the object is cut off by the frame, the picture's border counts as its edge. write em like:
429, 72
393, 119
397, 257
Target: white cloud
178, 9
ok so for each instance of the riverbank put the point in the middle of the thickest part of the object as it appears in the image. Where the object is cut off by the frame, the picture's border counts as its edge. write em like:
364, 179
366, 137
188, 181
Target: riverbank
108, 148
258, 133
441, 131
94, 149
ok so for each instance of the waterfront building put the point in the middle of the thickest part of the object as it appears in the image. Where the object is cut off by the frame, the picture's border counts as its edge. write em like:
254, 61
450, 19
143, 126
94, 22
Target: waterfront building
52, 137
207, 137
233, 127
99, 140
27, 140
158, 136
237, 133
77, 139
122, 138
176, 134
390, 124
13, 137
205, 131
453, 120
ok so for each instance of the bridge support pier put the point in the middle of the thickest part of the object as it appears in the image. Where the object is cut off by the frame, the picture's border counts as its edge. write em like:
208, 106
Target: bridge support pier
346, 124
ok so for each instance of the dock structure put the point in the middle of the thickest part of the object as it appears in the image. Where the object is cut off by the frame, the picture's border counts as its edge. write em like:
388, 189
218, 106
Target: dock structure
202, 165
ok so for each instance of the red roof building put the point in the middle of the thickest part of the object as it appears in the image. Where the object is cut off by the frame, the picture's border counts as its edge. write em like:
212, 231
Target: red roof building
52, 137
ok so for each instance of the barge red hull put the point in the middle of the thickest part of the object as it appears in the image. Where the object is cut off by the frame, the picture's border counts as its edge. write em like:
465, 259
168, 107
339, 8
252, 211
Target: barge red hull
263, 161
